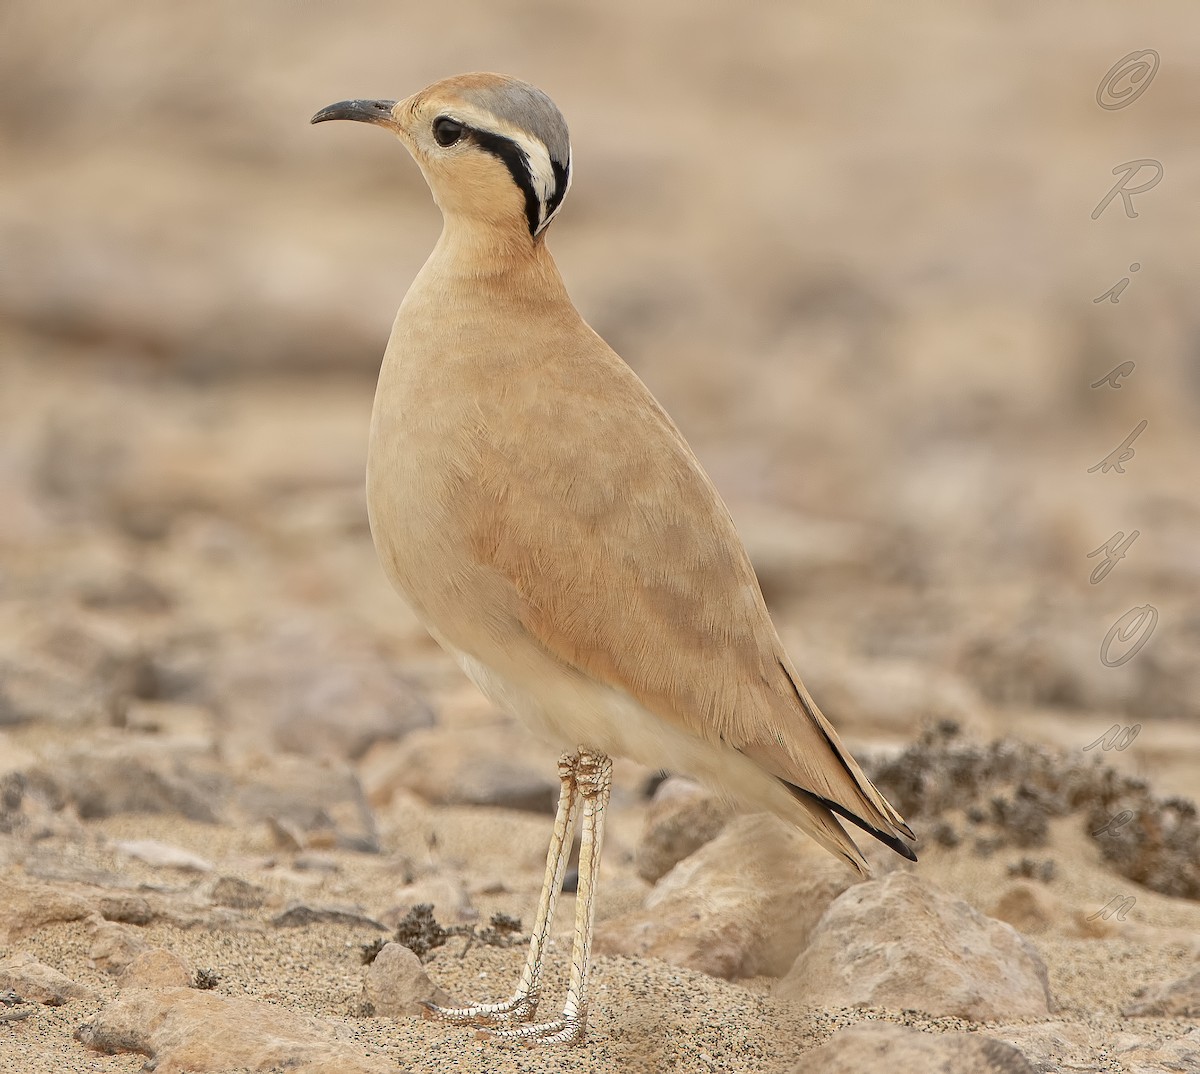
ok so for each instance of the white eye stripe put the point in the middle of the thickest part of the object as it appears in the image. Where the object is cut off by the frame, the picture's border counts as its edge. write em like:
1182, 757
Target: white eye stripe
558, 196
541, 172
541, 167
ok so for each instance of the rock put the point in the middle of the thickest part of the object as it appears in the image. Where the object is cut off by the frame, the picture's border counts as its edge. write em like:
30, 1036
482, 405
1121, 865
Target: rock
903, 943
1063, 1045
157, 968
237, 894
446, 766
28, 803
309, 802
681, 818
395, 984
42, 690
198, 1032
1028, 907
884, 1048
1176, 1054
26, 907
127, 909
122, 588
742, 905
115, 947
164, 855
72, 672
306, 689
1056, 1045
33, 980
57, 862
1171, 999
133, 774
298, 915
315, 863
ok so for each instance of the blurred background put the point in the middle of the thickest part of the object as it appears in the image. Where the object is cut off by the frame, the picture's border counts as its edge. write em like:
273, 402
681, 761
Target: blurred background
850, 248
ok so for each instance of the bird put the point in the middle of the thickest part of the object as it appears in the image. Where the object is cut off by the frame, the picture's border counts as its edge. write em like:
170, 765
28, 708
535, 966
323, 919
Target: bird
551, 528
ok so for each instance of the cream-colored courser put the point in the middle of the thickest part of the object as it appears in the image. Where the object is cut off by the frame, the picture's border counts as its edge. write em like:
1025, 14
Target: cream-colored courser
552, 529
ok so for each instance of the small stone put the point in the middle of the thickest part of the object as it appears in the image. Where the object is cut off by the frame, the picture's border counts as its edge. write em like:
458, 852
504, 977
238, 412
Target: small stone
885, 1048
69, 673
114, 947
34, 981
315, 863
300, 914
128, 909
138, 775
309, 802
903, 943
444, 891
681, 818
395, 985
164, 855
304, 688
157, 968
237, 894
448, 766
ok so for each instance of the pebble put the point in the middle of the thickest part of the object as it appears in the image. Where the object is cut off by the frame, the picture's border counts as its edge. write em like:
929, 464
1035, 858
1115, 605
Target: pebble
395, 985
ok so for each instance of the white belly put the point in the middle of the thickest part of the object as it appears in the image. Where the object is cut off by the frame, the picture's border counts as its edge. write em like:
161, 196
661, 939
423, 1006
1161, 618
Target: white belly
571, 712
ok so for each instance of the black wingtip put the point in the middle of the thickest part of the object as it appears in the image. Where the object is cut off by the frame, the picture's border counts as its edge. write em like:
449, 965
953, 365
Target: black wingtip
893, 841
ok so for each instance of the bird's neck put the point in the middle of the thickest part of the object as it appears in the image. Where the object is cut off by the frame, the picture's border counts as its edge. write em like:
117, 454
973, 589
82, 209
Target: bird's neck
471, 249
476, 278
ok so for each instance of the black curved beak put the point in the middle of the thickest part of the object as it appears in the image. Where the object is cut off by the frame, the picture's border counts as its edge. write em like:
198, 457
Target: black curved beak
362, 111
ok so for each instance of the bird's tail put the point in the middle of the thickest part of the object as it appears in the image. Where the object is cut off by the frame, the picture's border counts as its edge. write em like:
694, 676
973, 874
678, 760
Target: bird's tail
807, 757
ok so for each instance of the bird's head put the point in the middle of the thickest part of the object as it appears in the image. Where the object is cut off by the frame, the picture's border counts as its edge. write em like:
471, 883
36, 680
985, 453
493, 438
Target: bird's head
492, 148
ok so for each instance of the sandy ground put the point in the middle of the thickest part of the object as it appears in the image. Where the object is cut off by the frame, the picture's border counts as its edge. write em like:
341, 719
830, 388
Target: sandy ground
237, 565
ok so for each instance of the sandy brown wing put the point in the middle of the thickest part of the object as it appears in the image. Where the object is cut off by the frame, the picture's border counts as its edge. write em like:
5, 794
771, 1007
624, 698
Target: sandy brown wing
629, 568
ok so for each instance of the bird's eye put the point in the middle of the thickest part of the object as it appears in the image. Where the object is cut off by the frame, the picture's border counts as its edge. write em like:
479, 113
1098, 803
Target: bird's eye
446, 131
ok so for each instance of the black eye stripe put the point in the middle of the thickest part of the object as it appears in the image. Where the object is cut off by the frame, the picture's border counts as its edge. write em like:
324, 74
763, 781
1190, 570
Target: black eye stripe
448, 132
560, 188
517, 163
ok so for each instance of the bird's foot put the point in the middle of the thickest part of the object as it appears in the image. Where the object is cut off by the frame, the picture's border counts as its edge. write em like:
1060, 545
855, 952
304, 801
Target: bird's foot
569, 1029
518, 1009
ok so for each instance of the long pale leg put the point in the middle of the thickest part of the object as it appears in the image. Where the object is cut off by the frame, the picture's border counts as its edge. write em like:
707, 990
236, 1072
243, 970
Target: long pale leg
523, 1004
593, 778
